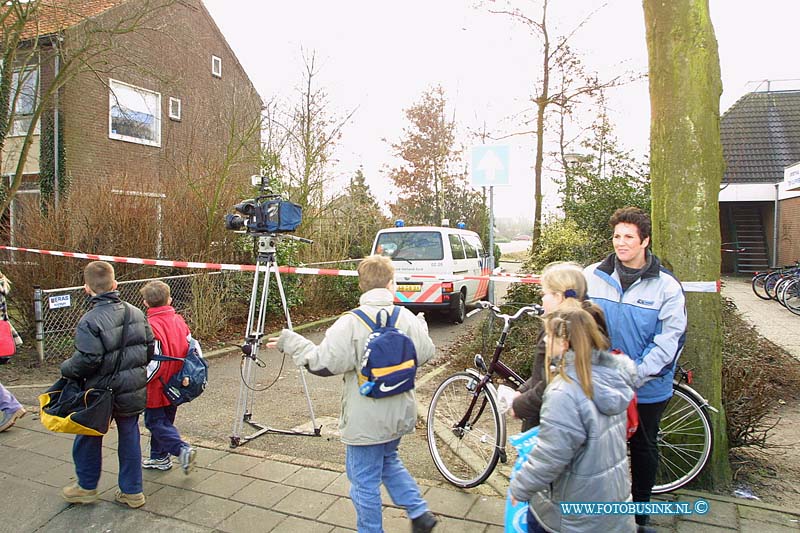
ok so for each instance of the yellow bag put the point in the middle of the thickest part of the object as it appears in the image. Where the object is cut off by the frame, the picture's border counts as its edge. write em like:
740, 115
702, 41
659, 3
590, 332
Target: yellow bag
65, 408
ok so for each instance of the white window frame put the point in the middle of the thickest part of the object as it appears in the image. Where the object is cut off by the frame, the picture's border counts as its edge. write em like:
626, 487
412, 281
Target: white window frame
177, 115
216, 66
16, 127
13, 206
156, 115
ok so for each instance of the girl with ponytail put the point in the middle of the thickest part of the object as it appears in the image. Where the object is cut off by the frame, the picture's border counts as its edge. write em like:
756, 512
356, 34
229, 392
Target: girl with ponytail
581, 455
563, 287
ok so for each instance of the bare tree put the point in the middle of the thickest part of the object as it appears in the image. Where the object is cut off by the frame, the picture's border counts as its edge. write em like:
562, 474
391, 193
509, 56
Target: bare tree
576, 83
312, 133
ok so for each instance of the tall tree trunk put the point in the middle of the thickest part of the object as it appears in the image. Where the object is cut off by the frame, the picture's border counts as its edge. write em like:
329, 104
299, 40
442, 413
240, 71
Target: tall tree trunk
541, 107
686, 168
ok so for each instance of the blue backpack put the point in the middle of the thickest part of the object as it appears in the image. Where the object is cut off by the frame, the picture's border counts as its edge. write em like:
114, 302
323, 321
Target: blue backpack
194, 367
389, 366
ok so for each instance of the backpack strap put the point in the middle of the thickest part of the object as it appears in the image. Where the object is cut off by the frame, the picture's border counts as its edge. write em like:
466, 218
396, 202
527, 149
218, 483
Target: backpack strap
162, 357
393, 319
376, 324
364, 318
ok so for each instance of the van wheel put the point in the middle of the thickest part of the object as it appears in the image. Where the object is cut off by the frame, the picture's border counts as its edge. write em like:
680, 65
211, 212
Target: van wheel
459, 311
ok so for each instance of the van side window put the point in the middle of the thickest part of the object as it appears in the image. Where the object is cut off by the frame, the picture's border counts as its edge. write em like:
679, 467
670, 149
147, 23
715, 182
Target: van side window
476, 242
469, 247
456, 247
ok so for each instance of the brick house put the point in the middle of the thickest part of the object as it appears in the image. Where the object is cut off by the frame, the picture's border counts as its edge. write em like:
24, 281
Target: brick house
161, 97
760, 140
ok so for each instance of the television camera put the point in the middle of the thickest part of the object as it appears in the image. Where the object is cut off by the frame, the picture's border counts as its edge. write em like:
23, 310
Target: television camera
266, 214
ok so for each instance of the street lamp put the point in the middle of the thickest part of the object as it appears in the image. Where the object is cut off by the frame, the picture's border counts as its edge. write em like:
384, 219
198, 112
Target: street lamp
572, 162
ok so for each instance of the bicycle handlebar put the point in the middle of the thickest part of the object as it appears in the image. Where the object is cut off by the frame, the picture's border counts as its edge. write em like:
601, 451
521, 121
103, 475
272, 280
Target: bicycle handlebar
530, 310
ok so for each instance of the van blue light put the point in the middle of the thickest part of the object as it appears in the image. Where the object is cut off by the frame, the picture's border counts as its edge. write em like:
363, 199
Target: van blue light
399, 223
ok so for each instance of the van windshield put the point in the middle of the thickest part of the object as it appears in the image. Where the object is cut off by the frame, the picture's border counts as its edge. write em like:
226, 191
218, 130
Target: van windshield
410, 245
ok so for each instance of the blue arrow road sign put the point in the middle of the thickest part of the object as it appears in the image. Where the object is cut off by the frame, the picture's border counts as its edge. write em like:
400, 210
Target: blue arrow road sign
489, 165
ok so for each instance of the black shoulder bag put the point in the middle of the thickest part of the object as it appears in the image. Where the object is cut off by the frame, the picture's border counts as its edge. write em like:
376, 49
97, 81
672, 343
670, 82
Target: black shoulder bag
66, 408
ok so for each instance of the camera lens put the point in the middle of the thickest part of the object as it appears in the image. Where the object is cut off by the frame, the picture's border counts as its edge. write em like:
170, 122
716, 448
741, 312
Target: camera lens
247, 208
234, 222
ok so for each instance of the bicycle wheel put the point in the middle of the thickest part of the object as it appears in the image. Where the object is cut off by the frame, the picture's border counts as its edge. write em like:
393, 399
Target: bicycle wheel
770, 282
684, 441
758, 285
467, 453
779, 288
791, 296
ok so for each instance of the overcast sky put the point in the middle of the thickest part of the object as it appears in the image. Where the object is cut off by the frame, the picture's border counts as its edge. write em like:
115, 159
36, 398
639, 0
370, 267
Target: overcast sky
379, 57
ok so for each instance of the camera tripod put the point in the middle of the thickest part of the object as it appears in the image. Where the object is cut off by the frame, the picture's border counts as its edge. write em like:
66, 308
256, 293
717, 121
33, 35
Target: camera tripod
266, 262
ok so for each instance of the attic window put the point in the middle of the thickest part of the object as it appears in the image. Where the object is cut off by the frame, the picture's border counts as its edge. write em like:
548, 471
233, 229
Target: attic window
174, 108
216, 66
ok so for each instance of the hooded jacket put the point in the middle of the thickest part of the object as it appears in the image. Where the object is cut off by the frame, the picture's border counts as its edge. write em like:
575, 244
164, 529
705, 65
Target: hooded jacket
647, 322
98, 340
171, 338
363, 420
581, 455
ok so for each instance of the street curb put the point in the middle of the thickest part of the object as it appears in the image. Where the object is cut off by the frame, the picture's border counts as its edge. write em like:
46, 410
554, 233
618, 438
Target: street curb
222, 352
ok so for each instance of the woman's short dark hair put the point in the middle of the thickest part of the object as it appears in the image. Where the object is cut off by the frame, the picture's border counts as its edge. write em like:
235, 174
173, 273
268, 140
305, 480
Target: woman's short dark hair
635, 216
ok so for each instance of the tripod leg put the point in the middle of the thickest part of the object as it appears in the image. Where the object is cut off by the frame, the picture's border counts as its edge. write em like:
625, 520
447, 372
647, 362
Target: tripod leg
252, 338
302, 370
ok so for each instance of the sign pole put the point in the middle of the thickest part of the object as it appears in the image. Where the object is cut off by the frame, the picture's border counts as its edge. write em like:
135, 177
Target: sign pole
491, 241
490, 167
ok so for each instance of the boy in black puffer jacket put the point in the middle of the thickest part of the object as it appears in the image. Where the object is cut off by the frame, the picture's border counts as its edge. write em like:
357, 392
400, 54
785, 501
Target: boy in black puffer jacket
98, 344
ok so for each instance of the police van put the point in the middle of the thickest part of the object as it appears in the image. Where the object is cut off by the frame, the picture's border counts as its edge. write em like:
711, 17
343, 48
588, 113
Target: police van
441, 252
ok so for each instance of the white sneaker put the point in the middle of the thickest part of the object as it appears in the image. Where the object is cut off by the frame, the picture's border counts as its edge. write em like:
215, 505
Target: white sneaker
187, 457
158, 464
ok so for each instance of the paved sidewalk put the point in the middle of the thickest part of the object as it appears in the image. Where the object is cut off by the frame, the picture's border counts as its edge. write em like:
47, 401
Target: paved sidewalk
239, 491
769, 317
246, 491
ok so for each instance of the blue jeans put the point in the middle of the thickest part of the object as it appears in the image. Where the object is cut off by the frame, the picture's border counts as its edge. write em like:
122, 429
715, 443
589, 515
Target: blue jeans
164, 437
533, 525
87, 453
368, 467
8, 402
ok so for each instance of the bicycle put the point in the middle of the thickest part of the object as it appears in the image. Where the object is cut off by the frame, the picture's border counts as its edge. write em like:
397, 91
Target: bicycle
466, 450
467, 434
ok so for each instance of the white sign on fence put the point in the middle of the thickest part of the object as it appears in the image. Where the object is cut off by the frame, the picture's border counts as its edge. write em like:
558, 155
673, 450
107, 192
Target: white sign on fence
57, 302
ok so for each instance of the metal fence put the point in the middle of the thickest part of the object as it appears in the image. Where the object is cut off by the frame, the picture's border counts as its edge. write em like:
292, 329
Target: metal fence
57, 311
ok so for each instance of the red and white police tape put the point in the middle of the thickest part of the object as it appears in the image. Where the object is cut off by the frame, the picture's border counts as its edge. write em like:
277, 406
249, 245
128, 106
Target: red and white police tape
689, 286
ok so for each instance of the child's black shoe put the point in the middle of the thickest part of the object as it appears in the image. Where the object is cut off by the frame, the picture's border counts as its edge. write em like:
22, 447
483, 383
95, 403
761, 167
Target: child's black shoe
423, 523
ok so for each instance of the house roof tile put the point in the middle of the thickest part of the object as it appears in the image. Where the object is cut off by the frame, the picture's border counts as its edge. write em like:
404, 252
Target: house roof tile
53, 16
761, 136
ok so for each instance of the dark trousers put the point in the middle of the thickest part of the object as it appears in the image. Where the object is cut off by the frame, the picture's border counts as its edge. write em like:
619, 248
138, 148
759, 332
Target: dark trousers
533, 525
87, 453
164, 437
644, 451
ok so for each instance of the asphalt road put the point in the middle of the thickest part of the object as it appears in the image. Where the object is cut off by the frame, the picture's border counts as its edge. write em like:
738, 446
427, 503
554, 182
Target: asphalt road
283, 405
